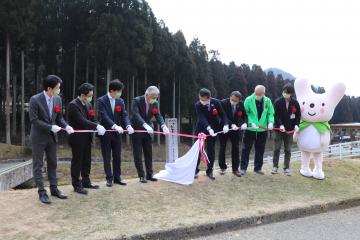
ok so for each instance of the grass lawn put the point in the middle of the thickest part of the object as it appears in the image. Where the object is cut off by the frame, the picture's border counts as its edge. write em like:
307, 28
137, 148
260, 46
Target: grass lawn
140, 208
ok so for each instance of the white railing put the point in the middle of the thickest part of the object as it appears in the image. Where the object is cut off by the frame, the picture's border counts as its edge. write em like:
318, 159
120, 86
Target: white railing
335, 151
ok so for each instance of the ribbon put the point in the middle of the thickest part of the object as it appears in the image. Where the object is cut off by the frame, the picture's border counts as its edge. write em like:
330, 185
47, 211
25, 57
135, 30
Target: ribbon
201, 136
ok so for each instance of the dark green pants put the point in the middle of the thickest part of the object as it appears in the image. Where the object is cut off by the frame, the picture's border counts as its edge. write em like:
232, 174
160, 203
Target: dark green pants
287, 139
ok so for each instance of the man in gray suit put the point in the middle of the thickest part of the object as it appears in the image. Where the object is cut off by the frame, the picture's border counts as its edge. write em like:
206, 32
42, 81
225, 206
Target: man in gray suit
46, 119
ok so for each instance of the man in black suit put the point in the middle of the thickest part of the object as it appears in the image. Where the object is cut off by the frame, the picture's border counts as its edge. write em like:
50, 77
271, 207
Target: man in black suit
113, 115
82, 116
235, 113
45, 113
287, 118
211, 118
144, 108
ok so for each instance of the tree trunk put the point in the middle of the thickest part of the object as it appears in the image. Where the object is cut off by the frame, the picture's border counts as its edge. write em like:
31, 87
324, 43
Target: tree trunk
179, 113
74, 77
108, 77
14, 110
22, 99
87, 70
7, 107
145, 76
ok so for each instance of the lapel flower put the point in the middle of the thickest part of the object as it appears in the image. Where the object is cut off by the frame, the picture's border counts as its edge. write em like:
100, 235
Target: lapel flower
214, 112
118, 109
91, 113
154, 111
57, 109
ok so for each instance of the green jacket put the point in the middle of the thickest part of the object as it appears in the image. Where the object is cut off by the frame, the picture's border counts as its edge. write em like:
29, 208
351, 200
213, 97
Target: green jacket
267, 115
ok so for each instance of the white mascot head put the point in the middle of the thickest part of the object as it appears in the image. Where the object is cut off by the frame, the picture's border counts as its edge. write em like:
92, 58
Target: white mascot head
317, 107
313, 136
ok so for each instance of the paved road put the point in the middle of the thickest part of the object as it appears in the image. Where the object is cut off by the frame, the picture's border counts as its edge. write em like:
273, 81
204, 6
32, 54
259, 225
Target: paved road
337, 225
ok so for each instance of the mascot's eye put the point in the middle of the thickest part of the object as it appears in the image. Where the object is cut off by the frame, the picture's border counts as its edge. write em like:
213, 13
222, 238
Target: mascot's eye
303, 103
323, 104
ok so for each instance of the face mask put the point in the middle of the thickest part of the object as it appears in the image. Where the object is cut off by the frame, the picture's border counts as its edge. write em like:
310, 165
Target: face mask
233, 103
88, 99
286, 95
258, 98
152, 101
204, 102
57, 92
118, 95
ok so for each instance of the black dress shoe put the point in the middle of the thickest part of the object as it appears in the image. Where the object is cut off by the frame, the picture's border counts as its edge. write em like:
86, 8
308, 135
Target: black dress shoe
151, 179
109, 183
211, 176
80, 190
57, 193
91, 186
44, 198
142, 180
119, 182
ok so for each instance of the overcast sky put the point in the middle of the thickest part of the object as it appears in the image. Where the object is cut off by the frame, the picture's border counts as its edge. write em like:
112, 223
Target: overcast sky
314, 39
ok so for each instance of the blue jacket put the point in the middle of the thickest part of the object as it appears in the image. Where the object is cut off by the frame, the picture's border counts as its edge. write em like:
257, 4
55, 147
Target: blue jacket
106, 116
212, 115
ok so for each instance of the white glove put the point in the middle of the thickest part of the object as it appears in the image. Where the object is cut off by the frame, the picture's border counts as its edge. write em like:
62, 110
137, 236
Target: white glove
253, 125
118, 128
271, 126
100, 129
282, 128
130, 129
69, 130
55, 128
148, 128
226, 128
165, 129
296, 128
244, 126
211, 132
234, 127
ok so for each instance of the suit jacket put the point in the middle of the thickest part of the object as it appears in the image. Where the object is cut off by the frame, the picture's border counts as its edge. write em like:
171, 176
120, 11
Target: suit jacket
80, 119
238, 117
40, 119
140, 116
107, 117
212, 115
283, 115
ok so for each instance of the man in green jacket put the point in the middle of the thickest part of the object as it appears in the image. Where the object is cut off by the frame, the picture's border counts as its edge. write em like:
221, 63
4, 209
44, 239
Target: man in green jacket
260, 112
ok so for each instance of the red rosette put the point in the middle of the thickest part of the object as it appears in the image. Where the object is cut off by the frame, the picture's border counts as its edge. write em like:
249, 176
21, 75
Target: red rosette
239, 114
293, 109
214, 112
91, 113
118, 109
154, 111
57, 109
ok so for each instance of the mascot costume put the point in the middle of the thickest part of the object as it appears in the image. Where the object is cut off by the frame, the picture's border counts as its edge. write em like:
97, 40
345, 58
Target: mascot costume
313, 136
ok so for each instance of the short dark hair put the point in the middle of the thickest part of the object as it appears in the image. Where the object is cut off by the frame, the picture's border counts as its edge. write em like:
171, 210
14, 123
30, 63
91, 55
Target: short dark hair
51, 81
116, 85
85, 88
288, 88
204, 92
236, 94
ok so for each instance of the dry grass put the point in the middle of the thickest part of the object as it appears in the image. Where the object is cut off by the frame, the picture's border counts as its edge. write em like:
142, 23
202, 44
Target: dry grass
138, 208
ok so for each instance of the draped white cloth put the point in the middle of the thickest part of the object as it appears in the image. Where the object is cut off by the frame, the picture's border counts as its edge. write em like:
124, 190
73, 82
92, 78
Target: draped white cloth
182, 170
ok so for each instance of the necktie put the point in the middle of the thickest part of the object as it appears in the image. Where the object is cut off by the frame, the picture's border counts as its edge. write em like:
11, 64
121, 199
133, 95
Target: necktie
112, 105
50, 105
233, 110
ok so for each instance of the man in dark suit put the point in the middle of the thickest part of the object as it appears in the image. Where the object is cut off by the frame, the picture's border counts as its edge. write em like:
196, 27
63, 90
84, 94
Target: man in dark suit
113, 115
235, 113
82, 117
143, 109
211, 118
287, 118
45, 113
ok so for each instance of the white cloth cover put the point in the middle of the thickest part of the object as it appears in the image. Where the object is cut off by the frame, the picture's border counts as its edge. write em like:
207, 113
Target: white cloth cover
182, 170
